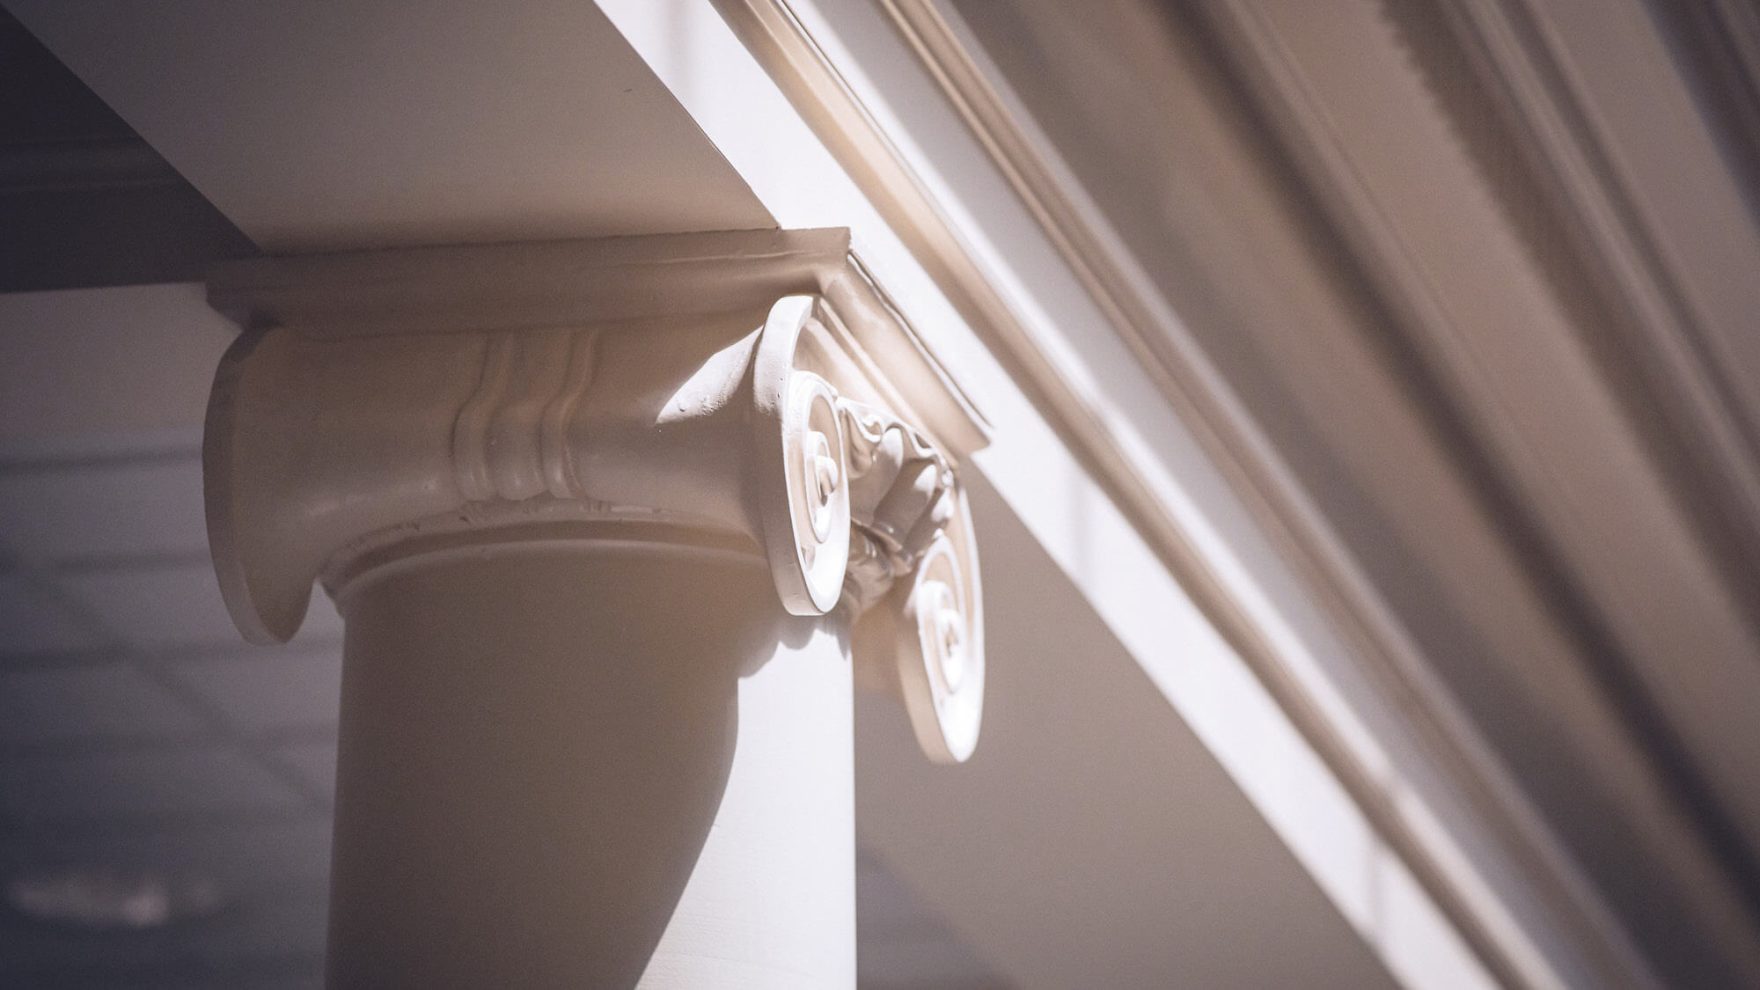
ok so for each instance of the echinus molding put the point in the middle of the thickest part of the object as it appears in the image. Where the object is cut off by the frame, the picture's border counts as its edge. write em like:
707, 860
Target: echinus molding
751, 389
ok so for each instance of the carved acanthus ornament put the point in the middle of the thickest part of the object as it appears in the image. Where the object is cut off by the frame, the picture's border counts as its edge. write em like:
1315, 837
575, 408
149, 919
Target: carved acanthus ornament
901, 495
725, 390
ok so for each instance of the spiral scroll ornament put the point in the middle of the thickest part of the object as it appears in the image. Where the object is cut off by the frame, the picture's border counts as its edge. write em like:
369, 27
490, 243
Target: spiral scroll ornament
862, 512
802, 466
941, 654
817, 494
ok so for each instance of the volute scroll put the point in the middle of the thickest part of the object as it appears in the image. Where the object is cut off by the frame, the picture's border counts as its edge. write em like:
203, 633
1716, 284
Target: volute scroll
903, 562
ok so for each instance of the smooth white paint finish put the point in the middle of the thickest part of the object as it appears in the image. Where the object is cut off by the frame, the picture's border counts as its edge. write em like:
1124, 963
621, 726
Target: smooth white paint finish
552, 774
775, 884
1092, 840
373, 124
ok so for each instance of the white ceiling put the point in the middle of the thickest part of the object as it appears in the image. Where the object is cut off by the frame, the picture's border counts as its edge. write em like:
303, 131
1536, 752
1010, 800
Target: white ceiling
136, 730
377, 124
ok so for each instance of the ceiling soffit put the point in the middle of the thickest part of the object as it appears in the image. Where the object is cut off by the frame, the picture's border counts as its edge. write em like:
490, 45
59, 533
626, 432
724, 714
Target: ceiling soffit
332, 131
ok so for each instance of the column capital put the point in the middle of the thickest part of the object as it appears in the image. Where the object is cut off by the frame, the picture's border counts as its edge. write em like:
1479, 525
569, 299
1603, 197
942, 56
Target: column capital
744, 390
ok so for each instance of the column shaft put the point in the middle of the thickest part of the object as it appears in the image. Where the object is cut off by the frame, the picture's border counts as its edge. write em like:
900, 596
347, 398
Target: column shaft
551, 773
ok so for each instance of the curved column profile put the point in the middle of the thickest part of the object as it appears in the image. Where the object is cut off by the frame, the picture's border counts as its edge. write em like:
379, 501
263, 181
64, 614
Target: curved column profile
604, 521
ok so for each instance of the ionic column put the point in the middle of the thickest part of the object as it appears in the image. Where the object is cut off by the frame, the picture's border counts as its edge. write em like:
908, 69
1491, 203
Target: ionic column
613, 527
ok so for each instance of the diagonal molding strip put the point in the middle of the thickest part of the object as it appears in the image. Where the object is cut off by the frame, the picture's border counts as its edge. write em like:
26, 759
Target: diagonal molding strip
811, 80
1663, 770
